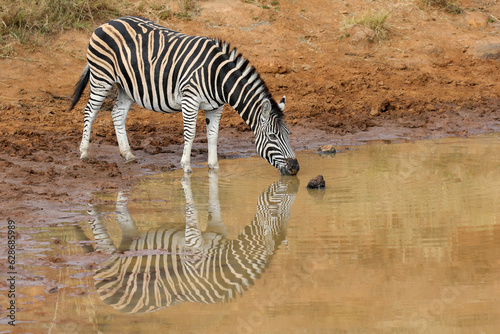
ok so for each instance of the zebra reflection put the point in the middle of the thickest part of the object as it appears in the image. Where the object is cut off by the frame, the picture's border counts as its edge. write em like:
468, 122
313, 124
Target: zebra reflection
166, 266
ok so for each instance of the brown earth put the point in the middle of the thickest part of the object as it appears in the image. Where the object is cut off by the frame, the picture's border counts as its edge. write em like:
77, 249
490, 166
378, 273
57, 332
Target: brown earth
435, 75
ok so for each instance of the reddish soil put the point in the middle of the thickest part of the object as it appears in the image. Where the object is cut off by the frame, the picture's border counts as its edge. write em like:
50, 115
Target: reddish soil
435, 75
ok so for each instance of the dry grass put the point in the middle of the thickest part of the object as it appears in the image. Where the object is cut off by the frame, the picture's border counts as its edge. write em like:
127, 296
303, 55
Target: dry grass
22, 19
451, 7
26, 21
375, 21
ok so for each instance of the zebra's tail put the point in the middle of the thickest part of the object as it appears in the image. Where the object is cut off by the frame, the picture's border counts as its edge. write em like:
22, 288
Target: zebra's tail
80, 86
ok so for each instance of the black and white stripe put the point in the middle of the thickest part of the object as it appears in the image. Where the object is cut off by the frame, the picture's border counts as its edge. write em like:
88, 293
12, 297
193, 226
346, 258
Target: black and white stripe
166, 266
166, 71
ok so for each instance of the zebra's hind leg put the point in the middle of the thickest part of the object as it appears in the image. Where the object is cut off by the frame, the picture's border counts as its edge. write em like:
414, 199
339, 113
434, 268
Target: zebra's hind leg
104, 243
98, 93
212, 118
119, 115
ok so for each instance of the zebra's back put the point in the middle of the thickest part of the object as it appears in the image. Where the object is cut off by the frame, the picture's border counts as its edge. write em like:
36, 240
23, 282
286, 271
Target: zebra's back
150, 62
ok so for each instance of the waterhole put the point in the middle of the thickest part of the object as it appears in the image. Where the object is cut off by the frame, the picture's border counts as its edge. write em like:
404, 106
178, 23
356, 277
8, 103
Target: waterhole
404, 238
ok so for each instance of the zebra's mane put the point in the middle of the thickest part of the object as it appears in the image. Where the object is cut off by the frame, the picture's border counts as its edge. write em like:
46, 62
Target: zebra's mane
250, 73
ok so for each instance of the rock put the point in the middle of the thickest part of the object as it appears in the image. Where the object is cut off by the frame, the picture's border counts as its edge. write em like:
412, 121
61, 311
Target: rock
272, 66
328, 149
316, 183
476, 20
486, 48
361, 34
432, 49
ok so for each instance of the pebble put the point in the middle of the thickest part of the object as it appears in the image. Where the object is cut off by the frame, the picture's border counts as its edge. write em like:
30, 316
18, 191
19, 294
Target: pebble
306, 67
327, 149
374, 112
316, 182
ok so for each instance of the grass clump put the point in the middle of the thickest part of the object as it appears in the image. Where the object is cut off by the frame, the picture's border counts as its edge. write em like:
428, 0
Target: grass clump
27, 20
374, 21
188, 9
449, 6
22, 19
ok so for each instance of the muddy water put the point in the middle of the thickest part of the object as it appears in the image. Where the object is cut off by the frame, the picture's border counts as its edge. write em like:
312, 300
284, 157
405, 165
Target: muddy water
405, 238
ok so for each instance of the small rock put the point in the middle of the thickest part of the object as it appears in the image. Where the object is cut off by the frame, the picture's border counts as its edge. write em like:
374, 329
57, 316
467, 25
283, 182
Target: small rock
432, 48
306, 67
476, 20
108, 185
273, 66
316, 183
330, 149
359, 34
51, 289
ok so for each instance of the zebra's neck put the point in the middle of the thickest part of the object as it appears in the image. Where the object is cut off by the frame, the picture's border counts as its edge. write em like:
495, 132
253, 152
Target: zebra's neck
239, 84
248, 106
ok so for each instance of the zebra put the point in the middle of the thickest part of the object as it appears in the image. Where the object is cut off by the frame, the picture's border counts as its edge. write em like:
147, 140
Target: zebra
166, 71
166, 266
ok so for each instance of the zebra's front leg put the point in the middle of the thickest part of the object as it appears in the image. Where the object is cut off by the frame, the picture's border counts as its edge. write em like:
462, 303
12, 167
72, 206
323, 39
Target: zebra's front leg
212, 119
119, 114
189, 115
215, 223
98, 93
126, 223
193, 235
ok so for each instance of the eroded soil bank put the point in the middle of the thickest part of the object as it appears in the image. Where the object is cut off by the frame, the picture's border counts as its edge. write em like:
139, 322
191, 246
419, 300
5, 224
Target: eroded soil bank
436, 75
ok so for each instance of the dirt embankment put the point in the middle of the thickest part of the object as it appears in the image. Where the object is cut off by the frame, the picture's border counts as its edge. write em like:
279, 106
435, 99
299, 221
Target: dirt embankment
435, 75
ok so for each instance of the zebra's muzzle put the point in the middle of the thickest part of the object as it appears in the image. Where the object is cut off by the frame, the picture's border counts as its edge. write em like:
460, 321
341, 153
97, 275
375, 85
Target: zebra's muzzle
292, 167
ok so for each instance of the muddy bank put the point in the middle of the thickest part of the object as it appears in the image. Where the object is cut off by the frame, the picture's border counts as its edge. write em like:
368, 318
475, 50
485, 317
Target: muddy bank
43, 177
435, 75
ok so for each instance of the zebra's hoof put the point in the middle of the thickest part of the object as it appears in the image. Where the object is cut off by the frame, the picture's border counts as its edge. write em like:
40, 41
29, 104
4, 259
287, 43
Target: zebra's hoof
129, 157
130, 160
84, 156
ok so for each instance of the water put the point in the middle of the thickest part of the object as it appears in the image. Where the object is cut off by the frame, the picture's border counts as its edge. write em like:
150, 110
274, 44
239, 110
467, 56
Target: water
405, 238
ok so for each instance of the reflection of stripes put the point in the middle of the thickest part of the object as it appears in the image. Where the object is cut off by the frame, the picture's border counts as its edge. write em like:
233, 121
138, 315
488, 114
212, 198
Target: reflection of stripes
166, 71
172, 272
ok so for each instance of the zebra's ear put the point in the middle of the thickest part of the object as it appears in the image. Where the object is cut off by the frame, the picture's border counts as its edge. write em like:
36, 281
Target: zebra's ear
266, 110
281, 105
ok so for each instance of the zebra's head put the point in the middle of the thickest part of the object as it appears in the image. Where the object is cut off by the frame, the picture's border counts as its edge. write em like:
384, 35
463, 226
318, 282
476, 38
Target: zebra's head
271, 137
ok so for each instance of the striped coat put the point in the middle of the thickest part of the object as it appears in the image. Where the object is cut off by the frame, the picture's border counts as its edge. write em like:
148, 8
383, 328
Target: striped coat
166, 71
